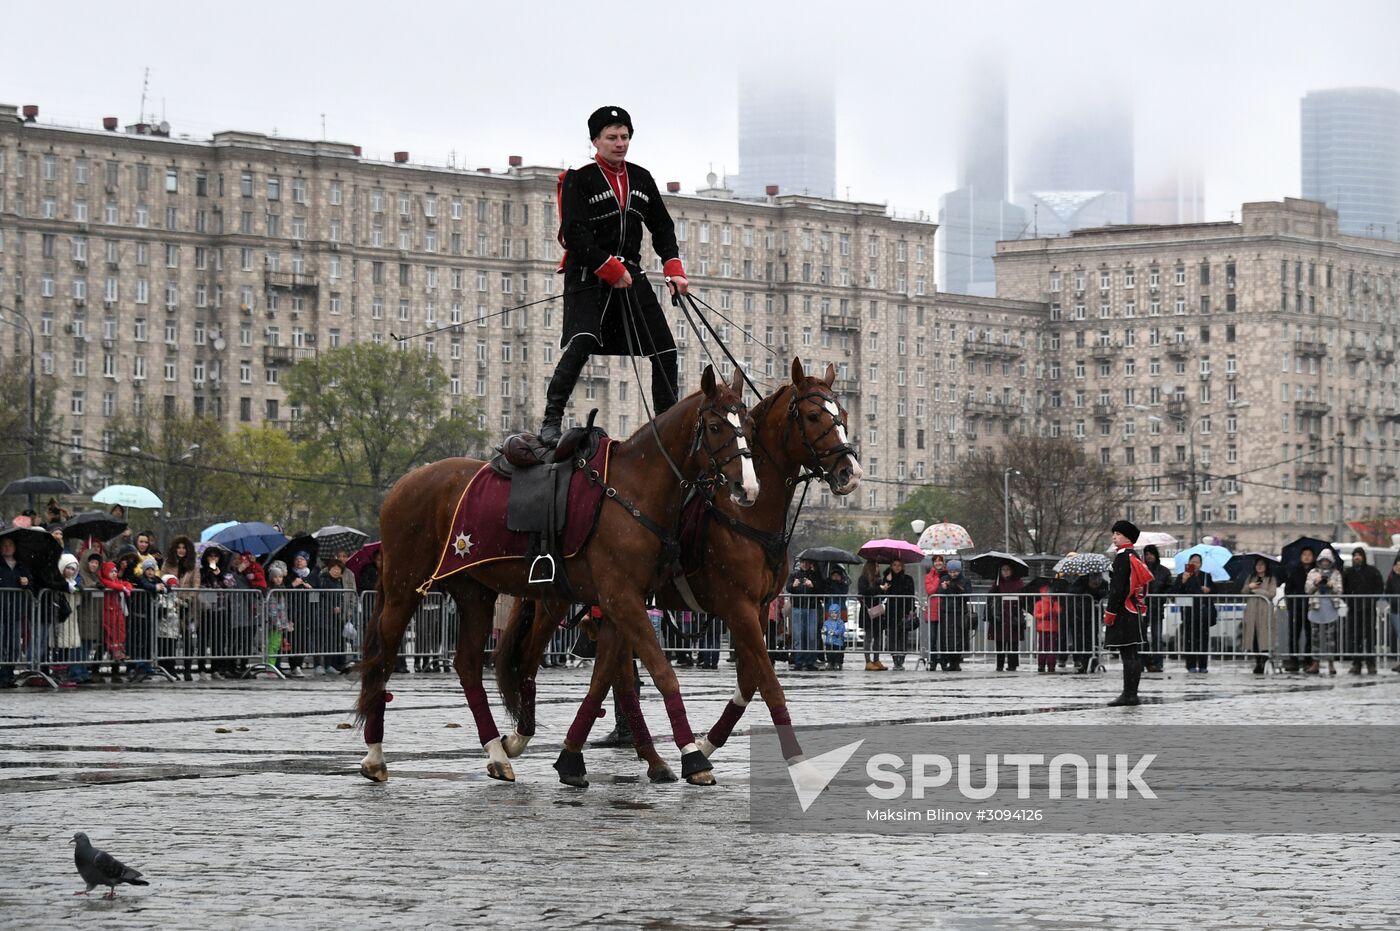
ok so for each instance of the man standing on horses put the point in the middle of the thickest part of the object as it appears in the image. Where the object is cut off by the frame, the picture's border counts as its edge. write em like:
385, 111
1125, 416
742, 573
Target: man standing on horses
609, 308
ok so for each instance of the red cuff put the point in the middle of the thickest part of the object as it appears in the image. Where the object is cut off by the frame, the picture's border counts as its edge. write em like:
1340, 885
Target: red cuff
1108, 619
611, 271
673, 269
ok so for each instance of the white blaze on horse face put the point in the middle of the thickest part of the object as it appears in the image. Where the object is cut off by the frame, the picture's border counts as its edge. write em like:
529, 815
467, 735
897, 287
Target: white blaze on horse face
856, 470
750, 477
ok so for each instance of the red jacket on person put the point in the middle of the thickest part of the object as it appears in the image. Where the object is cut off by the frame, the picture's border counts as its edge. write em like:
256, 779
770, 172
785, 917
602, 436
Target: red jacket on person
931, 583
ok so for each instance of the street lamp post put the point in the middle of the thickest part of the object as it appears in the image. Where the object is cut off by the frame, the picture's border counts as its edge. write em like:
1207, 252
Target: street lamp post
1006, 507
33, 390
1193, 490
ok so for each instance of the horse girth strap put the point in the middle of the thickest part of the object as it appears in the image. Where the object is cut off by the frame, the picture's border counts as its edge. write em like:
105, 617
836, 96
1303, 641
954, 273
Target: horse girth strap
773, 543
670, 547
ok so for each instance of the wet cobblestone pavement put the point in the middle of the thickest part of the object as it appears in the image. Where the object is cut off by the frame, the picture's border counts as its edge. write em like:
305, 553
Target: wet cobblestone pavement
241, 804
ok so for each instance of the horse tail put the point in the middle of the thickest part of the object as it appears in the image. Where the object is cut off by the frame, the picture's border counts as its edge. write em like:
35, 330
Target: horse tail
374, 665
512, 656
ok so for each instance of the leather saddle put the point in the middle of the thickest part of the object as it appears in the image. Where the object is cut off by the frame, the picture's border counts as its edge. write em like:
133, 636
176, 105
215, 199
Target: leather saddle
538, 504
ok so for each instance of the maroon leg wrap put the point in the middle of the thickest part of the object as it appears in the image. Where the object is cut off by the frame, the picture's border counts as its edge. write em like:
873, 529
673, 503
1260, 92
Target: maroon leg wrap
374, 722
481, 713
680, 727
526, 726
632, 710
787, 737
588, 712
725, 725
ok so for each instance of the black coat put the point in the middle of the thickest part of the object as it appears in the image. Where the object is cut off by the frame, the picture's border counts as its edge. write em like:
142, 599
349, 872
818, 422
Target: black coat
10, 576
1364, 579
802, 596
1127, 627
901, 595
1392, 588
593, 228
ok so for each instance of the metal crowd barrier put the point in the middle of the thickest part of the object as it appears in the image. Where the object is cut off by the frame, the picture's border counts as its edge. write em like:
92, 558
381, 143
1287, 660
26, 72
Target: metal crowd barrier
244, 632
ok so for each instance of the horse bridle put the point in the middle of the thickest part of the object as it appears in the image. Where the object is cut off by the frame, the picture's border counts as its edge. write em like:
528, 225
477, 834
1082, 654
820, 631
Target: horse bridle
714, 471
794, 419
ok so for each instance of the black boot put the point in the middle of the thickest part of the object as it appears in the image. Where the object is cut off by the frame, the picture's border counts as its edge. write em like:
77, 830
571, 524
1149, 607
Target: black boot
1132, 673
664, 381
620, 735
561, 386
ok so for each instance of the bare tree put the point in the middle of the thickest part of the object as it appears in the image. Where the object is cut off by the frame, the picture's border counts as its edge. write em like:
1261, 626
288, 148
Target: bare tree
1061, 500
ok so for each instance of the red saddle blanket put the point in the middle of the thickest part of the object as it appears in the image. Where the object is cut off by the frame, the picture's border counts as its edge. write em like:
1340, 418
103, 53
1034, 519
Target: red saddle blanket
479, 533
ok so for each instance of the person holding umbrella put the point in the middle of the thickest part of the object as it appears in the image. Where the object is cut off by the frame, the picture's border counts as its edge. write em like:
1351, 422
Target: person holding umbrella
1004, 616
1156, 605
806, 588
1257, 635
898, 587
872, 608
1126, 611
1299, 628
1195, 614
952, 616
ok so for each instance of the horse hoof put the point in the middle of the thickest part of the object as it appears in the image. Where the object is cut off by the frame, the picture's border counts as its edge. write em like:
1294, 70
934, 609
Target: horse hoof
515, 744
379, 773
706, 778
663, 773
578, 782
501, 771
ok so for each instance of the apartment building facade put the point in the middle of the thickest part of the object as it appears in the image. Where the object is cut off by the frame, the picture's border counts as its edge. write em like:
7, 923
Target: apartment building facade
169, 274
1242, 374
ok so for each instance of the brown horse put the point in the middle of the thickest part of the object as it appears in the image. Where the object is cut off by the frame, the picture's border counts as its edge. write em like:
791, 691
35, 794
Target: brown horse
800, 425
687, 446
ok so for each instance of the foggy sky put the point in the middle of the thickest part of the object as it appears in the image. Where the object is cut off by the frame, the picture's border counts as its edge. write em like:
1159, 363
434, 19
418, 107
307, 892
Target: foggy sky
1214, 82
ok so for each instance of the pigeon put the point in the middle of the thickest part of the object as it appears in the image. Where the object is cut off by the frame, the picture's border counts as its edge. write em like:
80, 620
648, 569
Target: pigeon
100, 868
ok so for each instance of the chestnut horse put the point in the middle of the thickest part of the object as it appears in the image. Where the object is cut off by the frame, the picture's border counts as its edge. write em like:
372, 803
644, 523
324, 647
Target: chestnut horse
648, 475
800, 425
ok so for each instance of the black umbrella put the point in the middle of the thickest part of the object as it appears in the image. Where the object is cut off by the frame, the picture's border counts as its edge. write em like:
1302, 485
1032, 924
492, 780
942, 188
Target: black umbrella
286, 551
1035, 584
40, 550
1242, 564
988, 565
97, 525
37, 485
829, 554
1292, 552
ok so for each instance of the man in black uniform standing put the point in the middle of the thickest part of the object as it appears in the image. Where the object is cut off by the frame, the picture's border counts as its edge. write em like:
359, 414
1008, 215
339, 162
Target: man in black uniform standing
1125, 615
609, 308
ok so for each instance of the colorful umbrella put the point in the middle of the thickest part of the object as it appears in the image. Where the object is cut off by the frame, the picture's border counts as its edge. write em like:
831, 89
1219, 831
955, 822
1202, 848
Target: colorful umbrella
1213, 560
128, 496
252, 537
1083, 564
335, 539
944, 537
208, 532
988, 565
890, 550
363, 557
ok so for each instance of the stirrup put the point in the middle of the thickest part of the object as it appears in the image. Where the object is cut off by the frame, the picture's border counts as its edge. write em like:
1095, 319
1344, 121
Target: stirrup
542, 580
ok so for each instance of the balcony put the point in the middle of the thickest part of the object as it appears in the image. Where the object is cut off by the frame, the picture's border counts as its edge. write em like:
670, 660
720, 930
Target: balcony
286, 355
840, 322
1176, 409
982, 346
1311, 408
989, 410
1385, 356
1105, 351
1313, 470
1105, 410
291, 281
1355, 353
846, 387
1388, 413
1385, 472
1355, 410
1176, 350
1310, 347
